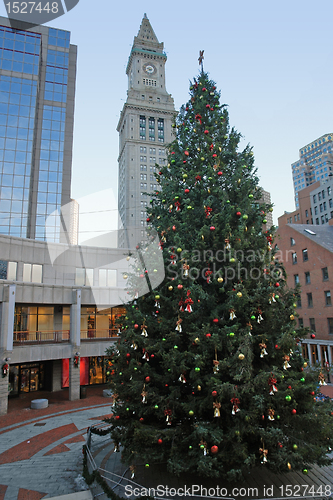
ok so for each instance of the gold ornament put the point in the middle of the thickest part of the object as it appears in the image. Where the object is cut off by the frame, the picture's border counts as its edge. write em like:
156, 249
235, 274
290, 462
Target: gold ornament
194, 130
241, 356
220, 280
198, 149
208, 191
202, 237
125, 276
158, 216
305, 364
199, 388
292, 317
239, 294
238, 182
170, 207
289, 465
128, 258
170, 288
197, 340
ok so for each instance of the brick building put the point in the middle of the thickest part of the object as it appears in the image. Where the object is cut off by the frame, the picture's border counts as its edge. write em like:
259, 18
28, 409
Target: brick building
307, 254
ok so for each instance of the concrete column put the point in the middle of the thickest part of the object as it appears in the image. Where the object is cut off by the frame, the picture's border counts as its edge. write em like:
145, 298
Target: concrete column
75, 339
56, 375
74, 380
7, 308
329, 352
309, 354
318, 346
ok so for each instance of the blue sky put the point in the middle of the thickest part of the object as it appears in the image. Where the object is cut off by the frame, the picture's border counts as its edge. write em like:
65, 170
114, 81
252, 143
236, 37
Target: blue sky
271, 60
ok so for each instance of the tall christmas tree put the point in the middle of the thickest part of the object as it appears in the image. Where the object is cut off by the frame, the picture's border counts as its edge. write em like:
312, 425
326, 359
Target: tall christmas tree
208, 372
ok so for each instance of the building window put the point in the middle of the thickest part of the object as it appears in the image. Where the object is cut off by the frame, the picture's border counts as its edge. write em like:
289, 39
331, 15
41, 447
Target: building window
307, 278
314, 198
296, 279
325, 273
316, 210
160, 127
300, 323
310, 301
107, 277
328, 299
312, 324
330, 325
8, 270
330, 201
294, 256
84, 277
152, 129
142, 127
317, 221
306, 213
298, 301
319, 196
292, 242
329, 190
32, 273
305, 255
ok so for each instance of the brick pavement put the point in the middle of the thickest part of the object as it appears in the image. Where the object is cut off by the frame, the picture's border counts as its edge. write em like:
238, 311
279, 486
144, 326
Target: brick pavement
40, 450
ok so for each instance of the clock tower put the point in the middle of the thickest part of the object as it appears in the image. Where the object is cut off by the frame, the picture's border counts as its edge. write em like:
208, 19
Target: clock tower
144, 132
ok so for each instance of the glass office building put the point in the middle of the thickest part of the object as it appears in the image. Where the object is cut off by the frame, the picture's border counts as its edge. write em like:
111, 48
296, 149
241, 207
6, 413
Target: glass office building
37, 88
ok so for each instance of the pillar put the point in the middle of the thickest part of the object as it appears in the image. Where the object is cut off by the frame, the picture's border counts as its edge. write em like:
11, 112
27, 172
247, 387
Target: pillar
7, 309
75, 340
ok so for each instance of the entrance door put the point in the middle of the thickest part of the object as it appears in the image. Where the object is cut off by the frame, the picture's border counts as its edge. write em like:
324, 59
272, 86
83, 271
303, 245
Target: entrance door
25, 380
34, 378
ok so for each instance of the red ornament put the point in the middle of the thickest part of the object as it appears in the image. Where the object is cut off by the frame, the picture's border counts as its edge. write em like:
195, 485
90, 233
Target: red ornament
277, 285
160, 441
152, 355
128, 355
293, 411
147, 379
137, 247
174, 228
207, 105
214, 449
206, 132
160, 173
302, 368
208, 335
212, 228
220, 173
141, 275
238, 214
184, 161
312, 393
148, 219
262, 417
215, 320
172, 152
289, 386
214, 88
276, 346
280, 445
141, 419
186, 153
180, 287
204, 89
313, 336
117, 417
214, 155
166, 385
187, 190
136, 325
214, 394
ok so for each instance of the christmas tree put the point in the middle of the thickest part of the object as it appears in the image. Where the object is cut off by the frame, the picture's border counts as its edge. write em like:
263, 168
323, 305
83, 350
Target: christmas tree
208, 373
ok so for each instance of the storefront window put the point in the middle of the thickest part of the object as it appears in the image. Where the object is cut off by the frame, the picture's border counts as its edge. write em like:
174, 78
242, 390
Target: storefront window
31, 319
100, 323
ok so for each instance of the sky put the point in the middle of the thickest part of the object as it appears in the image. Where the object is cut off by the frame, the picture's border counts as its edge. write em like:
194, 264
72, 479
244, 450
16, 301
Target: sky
272, 62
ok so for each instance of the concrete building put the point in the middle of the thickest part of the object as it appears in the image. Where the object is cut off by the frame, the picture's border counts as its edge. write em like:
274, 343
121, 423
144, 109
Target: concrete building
266, 198
314, 164
307, 254
144, 132
37, 83
57, 300
315, 205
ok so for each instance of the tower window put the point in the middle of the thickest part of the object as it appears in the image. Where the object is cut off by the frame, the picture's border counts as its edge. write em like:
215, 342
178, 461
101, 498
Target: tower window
160, 127
152, 129
142, 127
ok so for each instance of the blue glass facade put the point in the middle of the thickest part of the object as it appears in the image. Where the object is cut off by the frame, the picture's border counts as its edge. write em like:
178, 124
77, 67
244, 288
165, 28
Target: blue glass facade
34, 69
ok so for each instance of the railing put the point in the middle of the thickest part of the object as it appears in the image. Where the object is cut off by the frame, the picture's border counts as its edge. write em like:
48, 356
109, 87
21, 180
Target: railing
99, 334
40, 337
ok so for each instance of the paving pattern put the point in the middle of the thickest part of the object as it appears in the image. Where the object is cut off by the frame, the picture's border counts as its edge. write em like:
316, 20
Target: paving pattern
40, 450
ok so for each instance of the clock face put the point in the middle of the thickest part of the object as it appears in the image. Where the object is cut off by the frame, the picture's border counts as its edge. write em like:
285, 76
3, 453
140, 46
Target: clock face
149, 69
